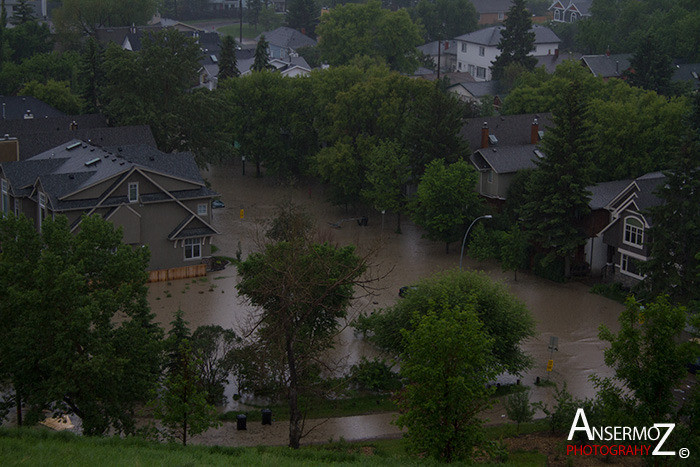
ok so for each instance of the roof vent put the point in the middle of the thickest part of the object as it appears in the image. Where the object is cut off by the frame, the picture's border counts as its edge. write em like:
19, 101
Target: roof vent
214, 59
71, 176
151, 158
73, 146
121, 163
92, 149
92, 161
538, 153
119, 149
540, 134
493, 139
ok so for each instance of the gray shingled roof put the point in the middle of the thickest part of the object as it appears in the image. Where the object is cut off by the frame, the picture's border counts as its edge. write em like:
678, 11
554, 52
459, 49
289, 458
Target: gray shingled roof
511, 130
506, 159
287, 37
179, 164
648, 185
480, 88
16, 107
492, 6
552, 61
603, 193
32, 143
492, 36
431, 48
583, 6
607, 66
689, 72
41, 125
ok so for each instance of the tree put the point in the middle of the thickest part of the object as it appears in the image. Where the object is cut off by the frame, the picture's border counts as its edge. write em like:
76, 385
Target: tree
262, 58
77, 17
55, 93
649, 360
269, 19
518, 407
506, 320
445, 19
228, 65
62, 332
24, 13
556, 195
446, 200
214, 348
181, 404
303, 15
517, 41
3, 24
650, 67
674, 236
354, 30
514, 250
303, 289
254, 7
91, 75
447, 362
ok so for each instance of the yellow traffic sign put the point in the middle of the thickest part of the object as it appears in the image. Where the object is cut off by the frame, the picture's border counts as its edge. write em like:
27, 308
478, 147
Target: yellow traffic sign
241, 213
550, 365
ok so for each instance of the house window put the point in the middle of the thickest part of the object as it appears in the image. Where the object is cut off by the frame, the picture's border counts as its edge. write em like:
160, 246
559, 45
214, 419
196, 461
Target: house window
464, 46
634, 232
193, 248
489, 177
557, 15
629, 266
574, 16
459, 65
500, 16
16, 207
481, 72
472, 70
42, 209
202, 209
5, 197
133, 192
482, 51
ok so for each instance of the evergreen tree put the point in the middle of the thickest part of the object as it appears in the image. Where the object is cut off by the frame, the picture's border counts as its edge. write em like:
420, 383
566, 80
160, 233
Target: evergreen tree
3, 23
674, 263
228, 65
91, 74
254, 8
517, 41
650, 67
303, 15
556, 197
262, 59
24, 13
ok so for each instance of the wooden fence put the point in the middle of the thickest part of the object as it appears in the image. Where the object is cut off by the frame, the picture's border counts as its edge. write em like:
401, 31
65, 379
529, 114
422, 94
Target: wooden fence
173, 274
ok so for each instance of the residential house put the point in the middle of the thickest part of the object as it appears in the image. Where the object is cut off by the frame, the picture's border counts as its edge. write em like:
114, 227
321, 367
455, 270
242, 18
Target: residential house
551, 62
39, 6
475, 92
492, 11
498, 161
446, 51
26, 108
158, 199
628, 231
687, 73
283, 42
607, 66
569, 11
478, 50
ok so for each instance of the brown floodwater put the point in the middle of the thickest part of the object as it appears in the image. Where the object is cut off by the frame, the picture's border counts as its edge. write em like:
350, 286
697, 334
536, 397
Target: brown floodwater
567, 311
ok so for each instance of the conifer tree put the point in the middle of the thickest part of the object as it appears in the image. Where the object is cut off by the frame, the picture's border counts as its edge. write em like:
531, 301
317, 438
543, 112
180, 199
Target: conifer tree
303, 15
228, 65
556, 198
517, 41
91, 74
262, 59
650, 67
23, 13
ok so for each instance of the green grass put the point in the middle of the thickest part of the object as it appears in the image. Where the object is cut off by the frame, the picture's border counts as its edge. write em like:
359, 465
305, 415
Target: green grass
249, 32
357, 405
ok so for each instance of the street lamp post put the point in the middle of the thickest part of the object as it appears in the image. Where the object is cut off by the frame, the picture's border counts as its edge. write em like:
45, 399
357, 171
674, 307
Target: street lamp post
464, 240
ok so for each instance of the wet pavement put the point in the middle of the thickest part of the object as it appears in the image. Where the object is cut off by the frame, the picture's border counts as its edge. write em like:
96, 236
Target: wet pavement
567, 311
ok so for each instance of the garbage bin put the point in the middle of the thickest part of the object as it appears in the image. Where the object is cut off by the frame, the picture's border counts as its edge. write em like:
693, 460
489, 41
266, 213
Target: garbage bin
241, 422
267, 417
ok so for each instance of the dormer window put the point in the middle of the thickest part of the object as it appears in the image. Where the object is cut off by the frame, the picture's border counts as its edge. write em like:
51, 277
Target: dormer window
634, 232
133, 192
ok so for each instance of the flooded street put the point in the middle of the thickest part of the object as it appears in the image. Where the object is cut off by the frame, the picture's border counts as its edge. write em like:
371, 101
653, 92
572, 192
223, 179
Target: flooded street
567, 311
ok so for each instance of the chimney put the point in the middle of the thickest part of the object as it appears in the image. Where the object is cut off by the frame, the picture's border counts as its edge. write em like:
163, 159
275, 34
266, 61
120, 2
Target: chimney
535, 132
73, 125
28, 115
485, 135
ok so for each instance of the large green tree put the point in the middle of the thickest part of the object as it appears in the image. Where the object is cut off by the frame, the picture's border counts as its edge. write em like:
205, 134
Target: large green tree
91, 75
556, 195
228, 65
651, 67
78, 330
447, 364
302, 289
445, 19
446, 200
354, 30
517, 41
55, 93
262, 57
303, 15
86, 16
505, 319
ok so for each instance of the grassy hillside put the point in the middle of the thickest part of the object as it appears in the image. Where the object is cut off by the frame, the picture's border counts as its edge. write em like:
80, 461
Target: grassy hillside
47, 448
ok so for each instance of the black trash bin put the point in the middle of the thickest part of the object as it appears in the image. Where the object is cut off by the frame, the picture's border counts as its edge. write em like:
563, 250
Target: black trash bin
241, 422
267, 417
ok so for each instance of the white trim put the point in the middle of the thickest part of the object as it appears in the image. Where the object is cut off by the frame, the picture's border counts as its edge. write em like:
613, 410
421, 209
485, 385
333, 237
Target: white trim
632, 254
128, 192
628, 273
119, 207
635, 231
206, 209
199, 243
624, 193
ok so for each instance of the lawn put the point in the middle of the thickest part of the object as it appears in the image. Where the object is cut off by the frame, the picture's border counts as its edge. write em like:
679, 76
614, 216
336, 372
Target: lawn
249, 32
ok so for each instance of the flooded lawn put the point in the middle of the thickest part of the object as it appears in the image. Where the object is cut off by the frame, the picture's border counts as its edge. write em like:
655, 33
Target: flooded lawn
567, 311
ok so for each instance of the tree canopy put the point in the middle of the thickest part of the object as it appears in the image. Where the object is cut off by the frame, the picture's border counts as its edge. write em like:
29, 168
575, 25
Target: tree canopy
77, 17
517, 41
445, 19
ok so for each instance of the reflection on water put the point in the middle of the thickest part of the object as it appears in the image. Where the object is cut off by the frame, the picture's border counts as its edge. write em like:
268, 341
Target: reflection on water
567, 311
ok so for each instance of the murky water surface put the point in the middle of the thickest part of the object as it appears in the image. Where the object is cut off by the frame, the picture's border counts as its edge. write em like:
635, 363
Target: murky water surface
567, 311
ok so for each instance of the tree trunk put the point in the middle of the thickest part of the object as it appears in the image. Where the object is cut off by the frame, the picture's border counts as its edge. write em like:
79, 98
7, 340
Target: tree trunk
567, 267
18, 400
398, 222
515, 275
294, 414
447, 248
258, 174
